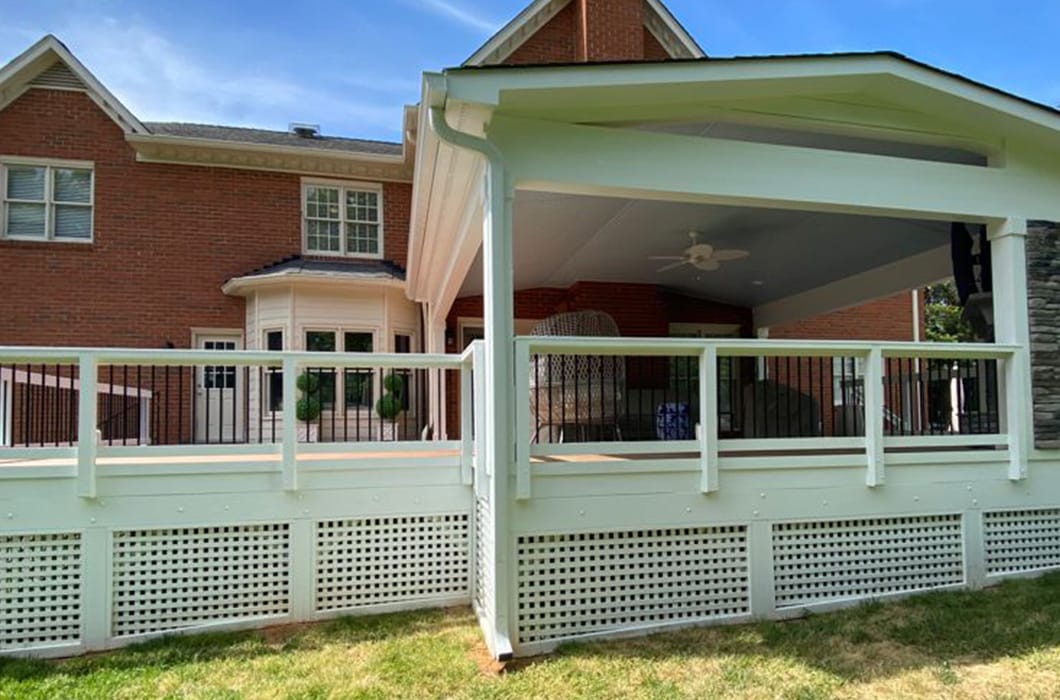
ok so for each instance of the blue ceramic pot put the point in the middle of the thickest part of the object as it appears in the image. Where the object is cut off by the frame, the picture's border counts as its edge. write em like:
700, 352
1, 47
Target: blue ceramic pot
673, 422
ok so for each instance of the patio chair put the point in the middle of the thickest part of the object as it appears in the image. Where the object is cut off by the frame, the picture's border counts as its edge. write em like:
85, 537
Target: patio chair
580, 391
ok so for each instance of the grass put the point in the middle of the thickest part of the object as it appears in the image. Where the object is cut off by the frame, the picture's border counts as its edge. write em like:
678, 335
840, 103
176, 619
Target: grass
999, 643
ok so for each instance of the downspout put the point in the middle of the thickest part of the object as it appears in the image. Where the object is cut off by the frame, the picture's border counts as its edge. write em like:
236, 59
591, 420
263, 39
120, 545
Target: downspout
495, 169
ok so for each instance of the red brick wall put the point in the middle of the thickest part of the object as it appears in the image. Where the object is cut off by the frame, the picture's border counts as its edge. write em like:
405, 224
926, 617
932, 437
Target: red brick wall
591, 31
609, 30
166, 237
640, 310
883, 319
552, 43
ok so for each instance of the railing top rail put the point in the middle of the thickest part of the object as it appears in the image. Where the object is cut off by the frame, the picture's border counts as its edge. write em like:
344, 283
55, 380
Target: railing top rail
179, 357
741, 347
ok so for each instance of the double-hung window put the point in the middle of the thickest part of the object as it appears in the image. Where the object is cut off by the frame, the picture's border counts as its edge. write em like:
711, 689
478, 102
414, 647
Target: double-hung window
343, 219
46, 201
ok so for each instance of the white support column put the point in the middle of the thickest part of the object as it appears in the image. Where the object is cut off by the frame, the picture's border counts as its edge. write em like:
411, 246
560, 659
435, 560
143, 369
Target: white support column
874, 417
1011, 326
708, 418
522, 421
500, 384
289, 449
86, 427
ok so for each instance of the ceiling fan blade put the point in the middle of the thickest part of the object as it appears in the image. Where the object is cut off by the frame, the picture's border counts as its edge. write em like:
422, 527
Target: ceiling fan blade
666, 257
673, 266
708, 265
727, 255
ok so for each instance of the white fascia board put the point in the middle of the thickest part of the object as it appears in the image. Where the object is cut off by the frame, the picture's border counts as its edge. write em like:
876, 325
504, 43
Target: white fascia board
432, 94
489, 86
31, 62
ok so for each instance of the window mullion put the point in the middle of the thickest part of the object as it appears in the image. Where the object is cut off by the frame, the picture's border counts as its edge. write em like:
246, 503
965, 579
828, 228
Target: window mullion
49, 204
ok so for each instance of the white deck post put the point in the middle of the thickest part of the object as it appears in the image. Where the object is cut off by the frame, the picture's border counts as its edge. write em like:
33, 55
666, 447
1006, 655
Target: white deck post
522, 421
145, 419
708, 418
874, 417
466, 422
500, 382
1011, 326
86, 427
290, 423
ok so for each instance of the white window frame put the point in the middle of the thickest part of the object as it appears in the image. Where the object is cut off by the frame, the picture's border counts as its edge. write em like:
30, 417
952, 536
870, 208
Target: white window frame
343, 186
340, 348
49, 202
266, 395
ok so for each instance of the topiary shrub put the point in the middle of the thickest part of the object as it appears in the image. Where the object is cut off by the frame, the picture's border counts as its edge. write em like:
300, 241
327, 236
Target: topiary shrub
389, 407
307, 409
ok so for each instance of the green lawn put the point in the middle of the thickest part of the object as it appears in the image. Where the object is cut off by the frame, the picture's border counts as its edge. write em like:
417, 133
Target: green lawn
999, 643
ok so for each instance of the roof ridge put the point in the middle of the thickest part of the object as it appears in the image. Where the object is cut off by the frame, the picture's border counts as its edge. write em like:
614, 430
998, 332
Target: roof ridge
149, 124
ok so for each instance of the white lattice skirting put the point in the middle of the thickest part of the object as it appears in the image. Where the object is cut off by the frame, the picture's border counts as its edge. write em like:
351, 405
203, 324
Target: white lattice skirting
567, 585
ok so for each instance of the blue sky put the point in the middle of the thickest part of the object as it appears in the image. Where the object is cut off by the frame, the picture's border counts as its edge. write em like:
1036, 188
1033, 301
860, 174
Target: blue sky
350, 65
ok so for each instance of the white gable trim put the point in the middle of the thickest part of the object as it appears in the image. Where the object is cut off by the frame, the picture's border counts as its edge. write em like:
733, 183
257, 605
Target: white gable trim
514, 34
669, 32
657, 19
16, 76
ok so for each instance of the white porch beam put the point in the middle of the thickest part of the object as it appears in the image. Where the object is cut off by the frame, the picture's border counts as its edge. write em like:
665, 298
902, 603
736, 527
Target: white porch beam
588, 160
1012, 326
916, 271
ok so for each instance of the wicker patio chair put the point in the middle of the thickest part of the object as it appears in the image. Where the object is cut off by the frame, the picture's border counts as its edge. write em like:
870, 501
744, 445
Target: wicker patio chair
580, 391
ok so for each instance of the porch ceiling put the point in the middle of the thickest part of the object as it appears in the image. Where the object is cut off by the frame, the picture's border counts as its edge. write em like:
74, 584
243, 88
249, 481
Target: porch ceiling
561, 239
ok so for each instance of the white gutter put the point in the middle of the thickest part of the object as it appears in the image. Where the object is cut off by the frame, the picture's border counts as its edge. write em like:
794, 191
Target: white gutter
502, 645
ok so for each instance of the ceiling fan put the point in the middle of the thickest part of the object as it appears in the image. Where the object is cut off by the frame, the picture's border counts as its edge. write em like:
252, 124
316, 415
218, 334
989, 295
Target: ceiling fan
701, 256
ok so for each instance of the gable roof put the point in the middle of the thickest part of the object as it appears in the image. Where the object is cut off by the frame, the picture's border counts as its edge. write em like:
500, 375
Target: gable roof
657, 19
268, 137
49, 64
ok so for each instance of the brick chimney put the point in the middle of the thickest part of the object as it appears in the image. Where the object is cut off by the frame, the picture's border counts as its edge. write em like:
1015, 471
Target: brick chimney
608, 30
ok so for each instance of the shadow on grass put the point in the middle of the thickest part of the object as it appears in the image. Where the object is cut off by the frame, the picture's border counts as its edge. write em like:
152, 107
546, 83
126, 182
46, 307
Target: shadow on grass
174, 651
875, 640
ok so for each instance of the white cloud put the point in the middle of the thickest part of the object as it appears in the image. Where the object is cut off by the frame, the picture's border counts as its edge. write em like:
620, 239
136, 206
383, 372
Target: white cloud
449, 9
161, 81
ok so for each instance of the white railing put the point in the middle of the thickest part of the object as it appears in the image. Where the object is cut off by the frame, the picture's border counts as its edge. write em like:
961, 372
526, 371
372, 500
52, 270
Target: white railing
707, 449
79, 457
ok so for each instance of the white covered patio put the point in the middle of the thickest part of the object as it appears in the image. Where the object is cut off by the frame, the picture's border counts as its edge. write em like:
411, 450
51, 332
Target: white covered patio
841, 177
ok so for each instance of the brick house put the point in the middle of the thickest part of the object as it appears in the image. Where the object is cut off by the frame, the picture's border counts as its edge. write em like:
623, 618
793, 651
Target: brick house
118, 232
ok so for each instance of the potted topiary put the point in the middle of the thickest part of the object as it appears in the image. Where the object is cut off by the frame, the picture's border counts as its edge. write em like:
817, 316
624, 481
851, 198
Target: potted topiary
389, 406
307, 409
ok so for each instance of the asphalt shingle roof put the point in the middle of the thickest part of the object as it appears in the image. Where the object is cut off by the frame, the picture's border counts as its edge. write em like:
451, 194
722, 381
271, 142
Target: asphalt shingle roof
360, 267
239, 134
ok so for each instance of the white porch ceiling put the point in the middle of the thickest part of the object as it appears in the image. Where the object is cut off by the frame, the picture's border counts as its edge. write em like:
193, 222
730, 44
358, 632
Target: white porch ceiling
561, 239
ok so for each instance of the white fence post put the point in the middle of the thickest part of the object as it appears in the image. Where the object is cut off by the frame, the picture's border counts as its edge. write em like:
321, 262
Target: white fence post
708, 418
478, 357
145, 419
86, 427
302, 570
522, 420
974, 550
95, 588
290, 423
874, 417
466, 421
760, 561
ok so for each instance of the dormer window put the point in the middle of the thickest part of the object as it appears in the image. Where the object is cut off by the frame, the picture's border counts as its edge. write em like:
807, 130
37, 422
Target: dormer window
46, 201
342, 219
